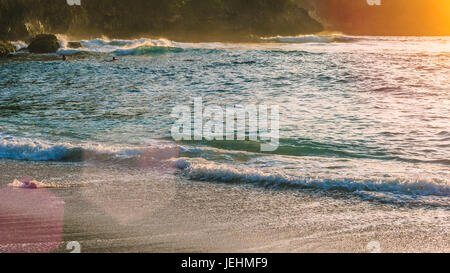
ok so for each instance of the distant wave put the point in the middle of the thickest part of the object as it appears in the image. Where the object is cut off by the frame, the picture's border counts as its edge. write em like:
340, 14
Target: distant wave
204, 170
136, 47
311, 39
146, 46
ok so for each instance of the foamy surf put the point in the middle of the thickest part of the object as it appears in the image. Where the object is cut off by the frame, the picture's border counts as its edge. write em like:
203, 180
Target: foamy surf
27, 150
203, 170
303, 39
19, 45
30, 183
137, 47
147, 46
209, 164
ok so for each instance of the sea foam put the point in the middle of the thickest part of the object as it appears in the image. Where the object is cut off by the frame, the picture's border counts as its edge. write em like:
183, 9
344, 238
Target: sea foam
309, 39
203, 170
141, 46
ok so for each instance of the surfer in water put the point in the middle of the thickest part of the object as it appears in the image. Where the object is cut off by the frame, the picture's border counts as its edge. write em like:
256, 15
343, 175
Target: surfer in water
114, 59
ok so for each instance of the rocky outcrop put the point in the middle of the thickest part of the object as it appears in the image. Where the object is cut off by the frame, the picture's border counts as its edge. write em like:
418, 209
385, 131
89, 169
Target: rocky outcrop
44, 43
6, 49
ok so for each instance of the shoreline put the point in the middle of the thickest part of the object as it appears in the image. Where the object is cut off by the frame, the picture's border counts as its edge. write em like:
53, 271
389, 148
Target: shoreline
180, 215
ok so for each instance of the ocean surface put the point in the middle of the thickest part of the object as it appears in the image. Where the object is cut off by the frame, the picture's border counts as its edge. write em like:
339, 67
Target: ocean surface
364, 117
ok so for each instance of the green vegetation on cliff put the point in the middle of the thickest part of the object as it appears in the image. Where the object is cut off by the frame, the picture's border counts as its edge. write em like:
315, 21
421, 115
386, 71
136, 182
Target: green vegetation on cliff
6, 49
174, 19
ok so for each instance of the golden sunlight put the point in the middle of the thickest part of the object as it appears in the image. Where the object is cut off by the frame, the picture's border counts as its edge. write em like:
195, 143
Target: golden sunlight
392, 17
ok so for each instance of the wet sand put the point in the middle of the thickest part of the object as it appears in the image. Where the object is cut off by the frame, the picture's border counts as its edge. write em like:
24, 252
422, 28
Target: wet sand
115, 209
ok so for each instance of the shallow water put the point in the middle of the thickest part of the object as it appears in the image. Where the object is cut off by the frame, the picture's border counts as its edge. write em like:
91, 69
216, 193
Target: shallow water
365, 116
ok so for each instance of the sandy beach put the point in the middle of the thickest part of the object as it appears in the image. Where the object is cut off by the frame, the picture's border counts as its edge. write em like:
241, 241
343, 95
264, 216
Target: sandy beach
177, 215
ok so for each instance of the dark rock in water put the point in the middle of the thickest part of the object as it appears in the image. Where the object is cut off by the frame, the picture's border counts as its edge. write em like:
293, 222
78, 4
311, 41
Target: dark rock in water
74, 45
6, 49
44, 43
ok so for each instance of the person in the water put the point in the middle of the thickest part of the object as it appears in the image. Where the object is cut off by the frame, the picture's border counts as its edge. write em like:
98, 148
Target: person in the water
64, 58
114, 59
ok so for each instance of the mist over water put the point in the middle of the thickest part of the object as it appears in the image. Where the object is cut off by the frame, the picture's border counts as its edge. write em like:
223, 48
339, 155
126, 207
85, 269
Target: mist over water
363, 115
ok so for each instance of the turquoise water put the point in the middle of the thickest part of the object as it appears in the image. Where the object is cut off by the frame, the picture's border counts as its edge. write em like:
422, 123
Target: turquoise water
366, 115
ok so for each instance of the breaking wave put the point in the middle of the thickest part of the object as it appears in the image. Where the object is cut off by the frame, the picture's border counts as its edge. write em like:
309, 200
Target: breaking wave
65, 152
310, 39
203, 170
137, 47
146, 46
208, 164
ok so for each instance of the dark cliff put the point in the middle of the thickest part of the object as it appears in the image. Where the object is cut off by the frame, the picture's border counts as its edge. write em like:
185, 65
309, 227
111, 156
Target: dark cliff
174, 19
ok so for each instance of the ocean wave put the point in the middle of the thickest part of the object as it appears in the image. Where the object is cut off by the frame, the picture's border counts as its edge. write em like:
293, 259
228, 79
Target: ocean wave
30, 150
34, 151
213, 164
306, 147
25, 150
136, 47
146, 46
147, 50
19, 45
300, 148
310, 39
203, 170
